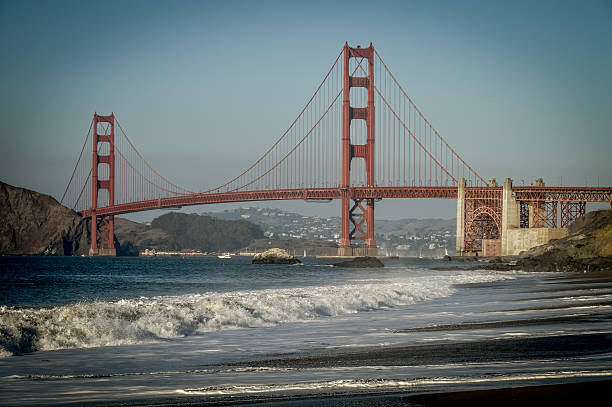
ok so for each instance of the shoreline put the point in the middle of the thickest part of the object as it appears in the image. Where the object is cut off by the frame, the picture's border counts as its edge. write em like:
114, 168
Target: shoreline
557, 394
578, 268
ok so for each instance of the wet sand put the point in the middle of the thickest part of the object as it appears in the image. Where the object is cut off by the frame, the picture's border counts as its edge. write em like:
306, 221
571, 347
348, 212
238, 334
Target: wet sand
558, 395
570, 394
466, 352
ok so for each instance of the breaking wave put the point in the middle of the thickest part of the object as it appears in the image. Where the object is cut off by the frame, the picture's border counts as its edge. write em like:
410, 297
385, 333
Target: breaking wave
143, 320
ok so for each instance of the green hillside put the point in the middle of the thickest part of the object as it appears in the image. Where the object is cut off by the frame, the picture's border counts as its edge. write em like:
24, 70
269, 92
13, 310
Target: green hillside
205, 233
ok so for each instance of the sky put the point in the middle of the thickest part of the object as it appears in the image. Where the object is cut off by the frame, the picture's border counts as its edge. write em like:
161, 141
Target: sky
520, 89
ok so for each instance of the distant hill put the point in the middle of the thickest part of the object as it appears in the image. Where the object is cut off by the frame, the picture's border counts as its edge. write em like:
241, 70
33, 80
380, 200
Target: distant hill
140, 236
177, 231
206, 233
415, 227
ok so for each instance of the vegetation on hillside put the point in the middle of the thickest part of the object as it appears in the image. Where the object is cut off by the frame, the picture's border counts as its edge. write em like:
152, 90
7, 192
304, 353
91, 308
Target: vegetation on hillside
205, 233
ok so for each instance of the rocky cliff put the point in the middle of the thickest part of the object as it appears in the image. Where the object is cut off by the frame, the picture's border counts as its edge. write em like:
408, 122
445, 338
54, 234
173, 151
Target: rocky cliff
32, 223
588, 247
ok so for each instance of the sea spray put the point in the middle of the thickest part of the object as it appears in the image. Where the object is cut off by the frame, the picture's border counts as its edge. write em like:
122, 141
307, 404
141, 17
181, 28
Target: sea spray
147, 319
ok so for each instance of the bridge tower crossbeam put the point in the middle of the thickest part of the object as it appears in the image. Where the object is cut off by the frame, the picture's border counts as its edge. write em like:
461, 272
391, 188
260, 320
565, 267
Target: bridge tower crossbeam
361, 218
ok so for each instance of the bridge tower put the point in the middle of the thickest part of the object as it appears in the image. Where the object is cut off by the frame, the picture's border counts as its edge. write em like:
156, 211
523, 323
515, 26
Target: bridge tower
358, 217
103, 179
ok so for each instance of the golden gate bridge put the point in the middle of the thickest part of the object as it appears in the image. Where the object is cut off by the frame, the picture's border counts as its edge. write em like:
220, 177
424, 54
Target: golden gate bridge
359, 138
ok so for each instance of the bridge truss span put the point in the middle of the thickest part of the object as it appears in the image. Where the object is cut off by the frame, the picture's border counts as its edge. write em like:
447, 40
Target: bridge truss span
566, 194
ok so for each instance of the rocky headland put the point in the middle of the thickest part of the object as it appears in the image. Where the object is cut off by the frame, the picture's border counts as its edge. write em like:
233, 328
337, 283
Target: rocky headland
36, 224
587, 247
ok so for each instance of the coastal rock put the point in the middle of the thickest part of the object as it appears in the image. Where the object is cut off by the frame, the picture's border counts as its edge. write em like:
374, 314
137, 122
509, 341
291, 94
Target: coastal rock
588, 247
36, 224
361, 262
275, 256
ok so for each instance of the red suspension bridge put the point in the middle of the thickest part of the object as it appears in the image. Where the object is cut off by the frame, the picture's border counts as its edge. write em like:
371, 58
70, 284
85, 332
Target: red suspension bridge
359, 138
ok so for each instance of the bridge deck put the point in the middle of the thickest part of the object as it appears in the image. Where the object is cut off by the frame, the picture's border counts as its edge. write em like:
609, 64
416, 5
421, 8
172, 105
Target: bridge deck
578, 194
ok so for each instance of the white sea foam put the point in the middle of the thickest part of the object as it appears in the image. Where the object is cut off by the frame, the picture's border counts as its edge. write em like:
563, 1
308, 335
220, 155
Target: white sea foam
382, 383
142, 320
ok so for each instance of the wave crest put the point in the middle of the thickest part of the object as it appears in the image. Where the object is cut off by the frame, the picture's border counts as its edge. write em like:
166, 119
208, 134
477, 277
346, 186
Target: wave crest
142, 320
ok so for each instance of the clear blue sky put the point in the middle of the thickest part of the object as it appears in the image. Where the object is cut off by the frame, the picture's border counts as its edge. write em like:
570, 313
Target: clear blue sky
521, 89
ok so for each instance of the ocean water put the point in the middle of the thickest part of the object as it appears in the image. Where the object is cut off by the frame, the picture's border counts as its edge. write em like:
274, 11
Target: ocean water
108, 330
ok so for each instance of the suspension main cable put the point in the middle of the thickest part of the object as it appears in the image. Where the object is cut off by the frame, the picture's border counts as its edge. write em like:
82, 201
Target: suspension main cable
286, 131
144, 176
413, 136
78, 161
425, 119
293, 149
147, 164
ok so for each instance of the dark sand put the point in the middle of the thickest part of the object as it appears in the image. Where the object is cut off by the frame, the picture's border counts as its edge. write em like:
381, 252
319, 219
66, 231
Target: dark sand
557, 395
570, 394
464, 352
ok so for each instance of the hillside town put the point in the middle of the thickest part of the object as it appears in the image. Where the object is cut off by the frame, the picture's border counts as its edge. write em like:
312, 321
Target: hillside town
403, 237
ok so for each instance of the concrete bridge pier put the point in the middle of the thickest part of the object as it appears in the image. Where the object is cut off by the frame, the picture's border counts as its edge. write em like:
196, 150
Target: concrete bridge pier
460, 217
510, 214
104, 252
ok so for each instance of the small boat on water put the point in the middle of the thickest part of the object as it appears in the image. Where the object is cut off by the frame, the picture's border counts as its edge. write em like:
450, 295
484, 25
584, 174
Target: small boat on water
224, 256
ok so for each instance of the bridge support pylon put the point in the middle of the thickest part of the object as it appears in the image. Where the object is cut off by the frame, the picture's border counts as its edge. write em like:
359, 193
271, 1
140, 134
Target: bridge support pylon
358, 217
103, 179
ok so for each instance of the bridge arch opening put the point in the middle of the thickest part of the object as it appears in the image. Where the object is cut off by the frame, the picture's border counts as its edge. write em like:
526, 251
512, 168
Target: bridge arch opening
484, 225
